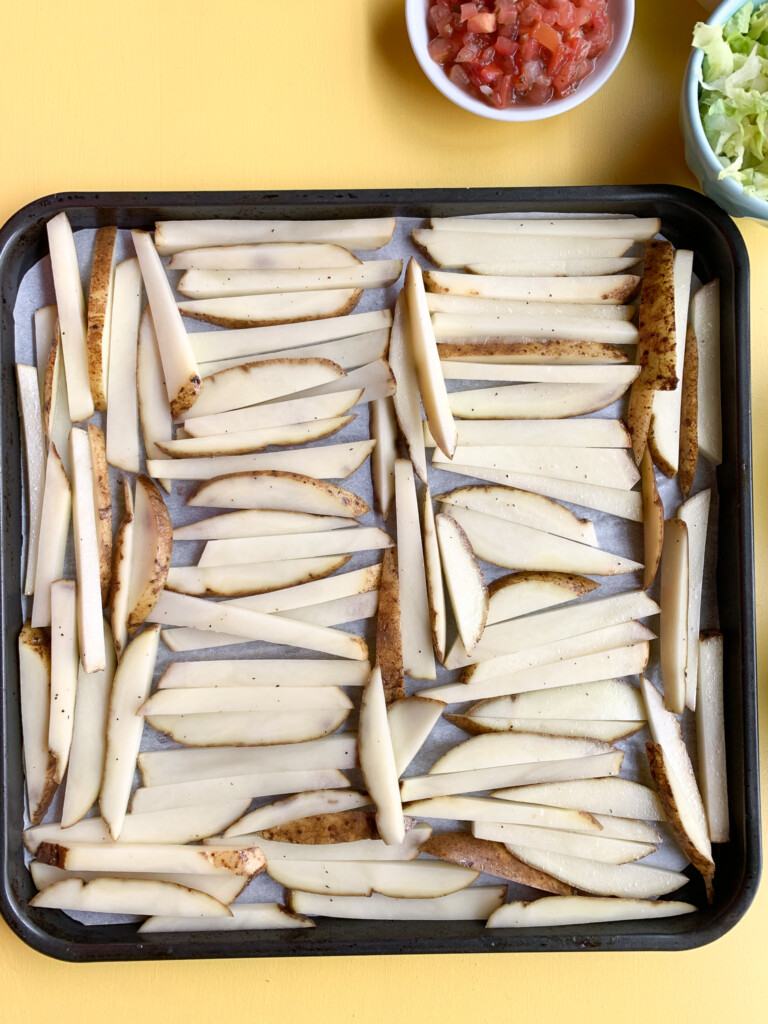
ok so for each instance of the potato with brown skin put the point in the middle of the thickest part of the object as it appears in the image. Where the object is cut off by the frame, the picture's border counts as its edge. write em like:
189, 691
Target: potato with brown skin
493, 859
276, 489
389, 643
656, 350
51, 383
653, 520
99, 302
570, 581
333, 827
144, 593
660, 775
689, 423
234, 312
102, 497
527, 350
34, 693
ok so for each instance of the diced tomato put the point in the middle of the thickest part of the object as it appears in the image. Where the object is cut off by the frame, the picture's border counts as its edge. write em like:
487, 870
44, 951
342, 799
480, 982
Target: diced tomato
510, 51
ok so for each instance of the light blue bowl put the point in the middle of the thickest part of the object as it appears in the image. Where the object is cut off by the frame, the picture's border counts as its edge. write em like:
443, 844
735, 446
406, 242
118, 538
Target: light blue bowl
726, 192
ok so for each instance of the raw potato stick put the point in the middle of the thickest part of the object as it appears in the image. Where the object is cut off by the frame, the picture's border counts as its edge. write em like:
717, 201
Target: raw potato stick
464, 580
475, 904
264, 256
272, 416
524, 350
406, 397
182, 378
533, 401
457, 249
129, 896
377, 761
508, 308
689, 422
262, 310
243, 442
418, 656
70, 303
653, 520
35, 701
214, 284
673, 630
710, 736
705, 318
551, 265
389, 638
174, 235
411, 720
45, 328
348, 353
34, 458
99, 317
102, 503
121, 573
265, 672
307, 545
328, 462
321, 812
250, 917
695, 513
608, 289
639, 229
434, 576
123, 406
249, 730
273, 489
154, 412
577, 910
449, 326
65, 662
587, 433
383, 426
89, 618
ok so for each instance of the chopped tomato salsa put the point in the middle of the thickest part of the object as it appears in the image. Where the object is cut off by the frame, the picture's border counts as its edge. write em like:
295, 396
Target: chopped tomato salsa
518, 51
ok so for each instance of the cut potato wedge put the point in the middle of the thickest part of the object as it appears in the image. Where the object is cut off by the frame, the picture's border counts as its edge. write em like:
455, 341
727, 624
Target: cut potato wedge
258, 523
264, 256
383, 427
639, 229
406, 397
288, 547
236, 787
695, 514
558, 911
329, 462
150, 552
491, 859
636, 881
605, 729
70, 303
592, 373
213, 284
244, 441
616, 502
521, 593
710, 737
264, 672
653, 521
449, 326
272, 417
481, 809
689, 420
146, 857
571, 844
174, 235
131, 686
336, 829
600, 467
122, 560
128, 896
434, 576
99, 315
411, 720
705, 317
474, 904
263, 310
65, 665
154, 411
249, 730
594, 433
223, 888
274, 489
673, 630
35, 701
55, 516
377, 761
533, 401
524, 350
375, 379
481, 779
506, 308
451, 248
184, 610
197, 700
513, 546
464, 580
302, 807
251, 383
163, 767
525, 508
245, 917
250, 578
45, 323
180, 825
123, 405
497, 751
89, 619
552, 266
613, 289
389, 637
348, 353
57, 421
603, 797
102, 502
34, 459
86, 756
415, 622
426, 362
182, 377
250, 341
602, 700
405, 879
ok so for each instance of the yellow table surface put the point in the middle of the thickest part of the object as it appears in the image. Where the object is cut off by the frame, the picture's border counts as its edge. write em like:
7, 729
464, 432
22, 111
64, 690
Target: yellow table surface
164, 94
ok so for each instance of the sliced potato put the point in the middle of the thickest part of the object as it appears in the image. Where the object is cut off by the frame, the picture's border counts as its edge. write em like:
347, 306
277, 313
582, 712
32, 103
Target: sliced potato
476, 809
448, 326
55, 517
122, 560
182, 377
689, 420
523, 350
673, 630
533, 401
497, 751
288, 547
329, 462
376, 379
34, 458
271, 417
244, 441
464, 580
592, 433
130, 688
89, 619
521, 593
46, 328
557, 911
491, 859
197, 700
653, 521
348, 353
602, 797
407, 879
639, 229
265, 672
415, 624
223, 888
601, 701
264, 256
122, 396
128, 896
65, 664
695, 514
612, 289
434, 576
151, 857
245, 917
705, 317
262, 310
258, 523
383, 427
451, 248
411, 720
102, 501
585, 728
406, 397
174, 235
389, 638
377, 762
199, 283
590, 373
571, 844
150, 552
335, 830
710, 736
250, 578
99, 316
273, 489
308, 808
249, 730
35, 701
551, 265
473, 904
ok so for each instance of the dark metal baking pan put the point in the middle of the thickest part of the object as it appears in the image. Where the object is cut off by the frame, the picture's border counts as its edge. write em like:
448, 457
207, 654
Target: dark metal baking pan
688, 220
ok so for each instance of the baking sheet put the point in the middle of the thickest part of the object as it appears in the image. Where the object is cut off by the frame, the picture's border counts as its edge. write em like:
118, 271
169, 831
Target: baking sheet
616, 535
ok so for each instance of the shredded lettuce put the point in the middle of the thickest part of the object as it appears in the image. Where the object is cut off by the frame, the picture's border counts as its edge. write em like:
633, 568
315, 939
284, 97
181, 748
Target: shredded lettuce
734, 95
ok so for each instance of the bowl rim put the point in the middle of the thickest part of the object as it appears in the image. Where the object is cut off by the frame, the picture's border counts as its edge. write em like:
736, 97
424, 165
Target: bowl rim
415, 18
731, 188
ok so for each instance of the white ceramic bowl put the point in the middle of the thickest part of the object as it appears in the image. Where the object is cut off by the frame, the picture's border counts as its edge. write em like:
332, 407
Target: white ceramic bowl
622, 13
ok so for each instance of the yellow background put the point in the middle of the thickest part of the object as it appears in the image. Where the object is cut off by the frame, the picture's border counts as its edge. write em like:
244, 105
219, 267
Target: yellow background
164, 94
